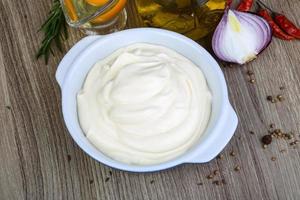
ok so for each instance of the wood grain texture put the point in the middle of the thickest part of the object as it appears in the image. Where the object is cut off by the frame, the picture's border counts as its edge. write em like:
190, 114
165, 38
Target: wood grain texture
39, 160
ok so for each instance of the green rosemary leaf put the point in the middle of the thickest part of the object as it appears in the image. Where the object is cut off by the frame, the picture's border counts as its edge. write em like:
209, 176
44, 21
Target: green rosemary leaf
54, 29
65, 35
58, 43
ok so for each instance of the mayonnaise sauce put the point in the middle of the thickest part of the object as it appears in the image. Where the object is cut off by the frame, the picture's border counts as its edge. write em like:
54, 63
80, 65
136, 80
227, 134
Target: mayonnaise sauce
144, 104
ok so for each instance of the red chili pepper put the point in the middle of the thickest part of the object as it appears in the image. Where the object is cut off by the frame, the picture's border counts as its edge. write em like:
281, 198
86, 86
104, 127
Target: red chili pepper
287, 25
245, 5
275, 28
228, 3
284, 23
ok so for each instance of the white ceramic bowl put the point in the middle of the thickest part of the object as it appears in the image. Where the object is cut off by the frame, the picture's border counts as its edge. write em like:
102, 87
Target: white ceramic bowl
74, 67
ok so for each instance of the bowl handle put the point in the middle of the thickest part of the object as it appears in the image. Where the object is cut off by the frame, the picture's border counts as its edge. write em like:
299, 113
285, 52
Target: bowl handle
228, 128
68, 59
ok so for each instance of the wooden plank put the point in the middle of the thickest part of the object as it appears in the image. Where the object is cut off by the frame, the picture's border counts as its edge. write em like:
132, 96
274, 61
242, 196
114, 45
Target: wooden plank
39, 160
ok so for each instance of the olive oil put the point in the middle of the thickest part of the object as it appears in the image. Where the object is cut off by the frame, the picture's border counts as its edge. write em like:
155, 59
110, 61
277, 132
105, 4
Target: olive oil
193, 18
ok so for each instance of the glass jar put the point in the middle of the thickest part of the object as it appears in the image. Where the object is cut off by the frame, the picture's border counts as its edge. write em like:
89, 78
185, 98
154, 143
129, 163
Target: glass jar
194, 18
95, 16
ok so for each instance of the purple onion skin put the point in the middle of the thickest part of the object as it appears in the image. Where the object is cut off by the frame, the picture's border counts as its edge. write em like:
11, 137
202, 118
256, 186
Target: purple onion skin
223, 21
216, 35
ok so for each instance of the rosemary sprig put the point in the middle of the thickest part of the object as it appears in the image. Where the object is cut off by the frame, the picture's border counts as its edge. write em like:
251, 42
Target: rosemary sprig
54, 29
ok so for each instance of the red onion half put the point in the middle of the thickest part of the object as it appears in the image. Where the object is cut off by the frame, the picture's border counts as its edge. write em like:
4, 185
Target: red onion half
240, 36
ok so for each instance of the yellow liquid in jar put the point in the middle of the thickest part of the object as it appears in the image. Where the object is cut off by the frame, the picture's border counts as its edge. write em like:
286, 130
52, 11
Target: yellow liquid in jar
188, 17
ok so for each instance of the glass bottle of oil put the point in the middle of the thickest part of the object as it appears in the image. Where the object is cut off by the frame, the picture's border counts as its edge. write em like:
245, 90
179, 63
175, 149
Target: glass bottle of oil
193, 18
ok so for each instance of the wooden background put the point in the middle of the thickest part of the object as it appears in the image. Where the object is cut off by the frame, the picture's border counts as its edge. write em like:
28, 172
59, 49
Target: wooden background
39, 160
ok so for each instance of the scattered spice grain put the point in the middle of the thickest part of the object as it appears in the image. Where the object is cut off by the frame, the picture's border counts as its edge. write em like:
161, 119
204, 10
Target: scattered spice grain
266, 140
251, 132
273, 158
91, 181
210, 176
294, 143
269, 98
232, 153
237, 168
274, 100
200, 183
277, 131
106, 179
281, 87
289, 136
216, 172
252, 81
280, 97
152, 181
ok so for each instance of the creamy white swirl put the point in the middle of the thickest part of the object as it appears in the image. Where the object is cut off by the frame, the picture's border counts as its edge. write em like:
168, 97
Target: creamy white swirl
144, 104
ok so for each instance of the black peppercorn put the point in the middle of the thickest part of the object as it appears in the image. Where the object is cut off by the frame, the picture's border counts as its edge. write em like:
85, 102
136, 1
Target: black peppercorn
267, 139
269, 98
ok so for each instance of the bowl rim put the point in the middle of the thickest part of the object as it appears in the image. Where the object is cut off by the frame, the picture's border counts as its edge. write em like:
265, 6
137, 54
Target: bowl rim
185, 157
